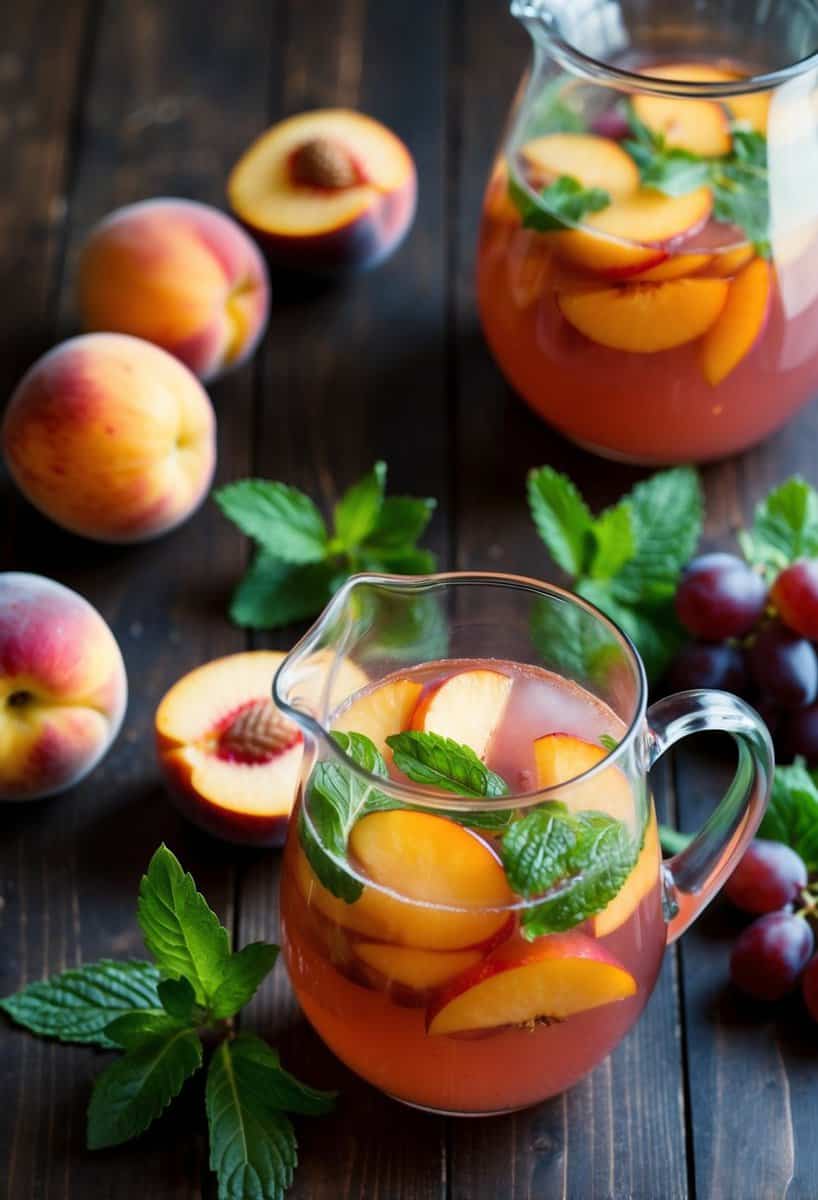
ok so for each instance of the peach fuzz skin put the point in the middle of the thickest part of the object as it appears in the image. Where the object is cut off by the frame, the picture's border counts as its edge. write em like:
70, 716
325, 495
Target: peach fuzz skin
111, 438
181, 275
63, 687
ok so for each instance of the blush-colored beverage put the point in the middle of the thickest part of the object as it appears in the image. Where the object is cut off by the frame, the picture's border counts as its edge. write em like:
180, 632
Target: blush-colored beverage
424, 982
656, 327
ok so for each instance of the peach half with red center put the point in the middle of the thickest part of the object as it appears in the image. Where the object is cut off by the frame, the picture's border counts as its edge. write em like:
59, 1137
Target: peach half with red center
231, 758
181, 275
63, 688
326, 191
111, 437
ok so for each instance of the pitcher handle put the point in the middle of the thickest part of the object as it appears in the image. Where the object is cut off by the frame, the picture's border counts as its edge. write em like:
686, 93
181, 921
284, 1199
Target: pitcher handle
694, 875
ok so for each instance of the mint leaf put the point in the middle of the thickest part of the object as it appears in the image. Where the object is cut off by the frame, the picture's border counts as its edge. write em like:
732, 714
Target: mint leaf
436, 761
785, 527
537, 849
335, 799
133, 1029
282, 519
561, 205
178, 998
243, 972
608, 742
137, 1087
401, 521
252, 1143
571, 641
562, 517
180, 930
741, 193
356, 513
274, 593
655, 632
614, 540
668, 169
77, 1005
792, 814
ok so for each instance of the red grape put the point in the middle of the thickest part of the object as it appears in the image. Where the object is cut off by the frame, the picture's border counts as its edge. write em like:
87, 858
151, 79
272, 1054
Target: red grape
809, 987
795, 595
799, 736
784, 666
770, 954
769, 876
708, 665
719, 596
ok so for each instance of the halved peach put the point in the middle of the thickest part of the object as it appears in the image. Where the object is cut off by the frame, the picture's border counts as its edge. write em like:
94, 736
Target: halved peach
467, 708
675, 267
326, 190
520, 983
418, 970
634, 234
727, 263
388, 709
700, 126
644, 318
595, 162
231, 758
753, 107
741, 323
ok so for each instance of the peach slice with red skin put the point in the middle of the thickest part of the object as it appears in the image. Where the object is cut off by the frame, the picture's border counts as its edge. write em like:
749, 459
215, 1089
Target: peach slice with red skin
595, 162
388, 709
677, 266
521, 982
741, 323
753, 107
466, 707
326, 191
698, 126
414, 969
645, 318
728, 263
232, 760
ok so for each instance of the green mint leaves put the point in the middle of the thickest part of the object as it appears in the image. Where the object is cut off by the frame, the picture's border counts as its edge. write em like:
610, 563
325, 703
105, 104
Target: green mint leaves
559, 206
154, 1012
785, 527
669, 169
435, 761
792, 814
299, 563
627, 560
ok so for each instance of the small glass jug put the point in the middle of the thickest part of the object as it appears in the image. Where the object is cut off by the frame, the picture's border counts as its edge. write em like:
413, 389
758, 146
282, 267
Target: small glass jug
648, 257
477, 949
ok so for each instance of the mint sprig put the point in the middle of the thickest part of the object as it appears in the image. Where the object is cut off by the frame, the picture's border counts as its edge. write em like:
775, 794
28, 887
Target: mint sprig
155, 1013
299, 563
435, 761
627, 561
561, 205
785, 527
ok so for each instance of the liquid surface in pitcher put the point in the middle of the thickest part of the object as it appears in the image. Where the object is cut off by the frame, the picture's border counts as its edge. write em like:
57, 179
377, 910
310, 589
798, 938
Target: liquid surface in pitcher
414, 957
648, 264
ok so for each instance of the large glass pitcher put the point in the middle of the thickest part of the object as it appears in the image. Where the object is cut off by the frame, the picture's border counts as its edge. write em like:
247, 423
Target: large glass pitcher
648, 260
472, 924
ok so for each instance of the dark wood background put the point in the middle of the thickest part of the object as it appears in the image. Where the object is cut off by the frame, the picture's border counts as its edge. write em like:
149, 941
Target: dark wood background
103, 102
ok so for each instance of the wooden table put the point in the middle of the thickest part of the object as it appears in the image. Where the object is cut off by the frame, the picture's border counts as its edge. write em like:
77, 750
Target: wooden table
108, 103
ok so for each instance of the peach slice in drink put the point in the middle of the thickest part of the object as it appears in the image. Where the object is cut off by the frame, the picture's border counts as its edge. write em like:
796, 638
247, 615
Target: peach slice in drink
466, 707
595, 162
741, 323
551, 978
417, 970
645, 318
561, 757
727, 263
675, 267
377, 714
636, 233
752, 108
699, 126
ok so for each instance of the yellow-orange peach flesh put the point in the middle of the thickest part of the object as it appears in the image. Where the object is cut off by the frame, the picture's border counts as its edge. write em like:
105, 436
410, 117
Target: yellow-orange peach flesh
182, 275
326, 191
111, 437
62, 687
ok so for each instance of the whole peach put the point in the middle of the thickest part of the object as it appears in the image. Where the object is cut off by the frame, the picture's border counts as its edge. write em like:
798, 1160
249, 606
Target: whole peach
111, 437
180, 274
62, 687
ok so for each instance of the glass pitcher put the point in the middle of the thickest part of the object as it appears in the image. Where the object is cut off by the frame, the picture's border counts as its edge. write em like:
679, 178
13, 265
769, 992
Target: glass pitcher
648, 257
473, 924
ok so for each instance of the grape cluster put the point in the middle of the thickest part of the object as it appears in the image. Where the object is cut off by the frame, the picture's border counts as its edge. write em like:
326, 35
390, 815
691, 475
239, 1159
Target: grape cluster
757, 642
775, 951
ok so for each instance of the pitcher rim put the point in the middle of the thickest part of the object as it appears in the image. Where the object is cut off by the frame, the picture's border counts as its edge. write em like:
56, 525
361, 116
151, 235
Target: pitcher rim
429, 797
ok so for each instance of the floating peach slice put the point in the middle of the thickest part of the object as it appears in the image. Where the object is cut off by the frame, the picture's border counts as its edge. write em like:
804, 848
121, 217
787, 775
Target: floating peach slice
641, 881
596, 162
753, 107
388, 709
413, 968
645, 318
633, 235
699, 126
554, 978
727, 263
675, 267
741, 323
231, 758
467, 708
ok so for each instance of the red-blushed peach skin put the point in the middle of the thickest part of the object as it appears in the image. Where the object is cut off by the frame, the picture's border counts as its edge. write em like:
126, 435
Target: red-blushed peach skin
111, 437
181, 275
326, 230
63, 688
